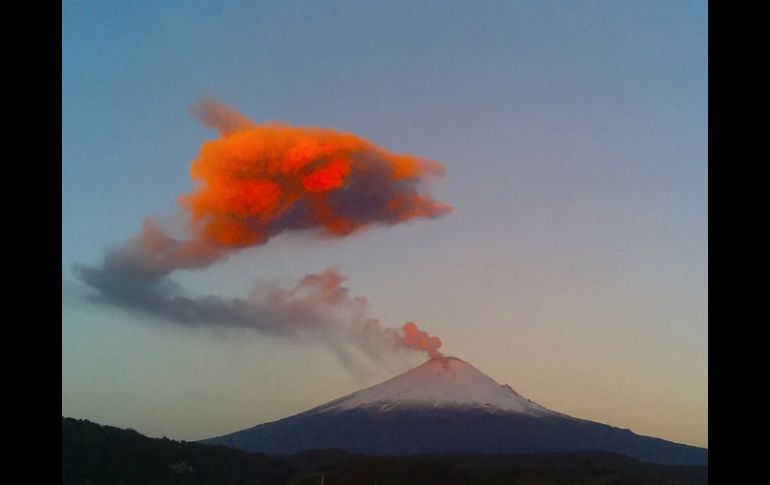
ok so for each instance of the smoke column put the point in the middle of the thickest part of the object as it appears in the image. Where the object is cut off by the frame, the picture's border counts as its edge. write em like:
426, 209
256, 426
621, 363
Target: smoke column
258, 181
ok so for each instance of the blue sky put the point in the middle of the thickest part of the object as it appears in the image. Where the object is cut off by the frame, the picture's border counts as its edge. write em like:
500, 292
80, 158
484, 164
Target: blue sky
575, 139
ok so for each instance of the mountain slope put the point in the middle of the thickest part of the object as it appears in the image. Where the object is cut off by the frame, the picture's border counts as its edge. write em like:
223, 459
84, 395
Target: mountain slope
446, 405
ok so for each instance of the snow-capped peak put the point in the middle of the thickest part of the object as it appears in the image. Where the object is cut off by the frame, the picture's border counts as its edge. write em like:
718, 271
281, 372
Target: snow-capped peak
439, 383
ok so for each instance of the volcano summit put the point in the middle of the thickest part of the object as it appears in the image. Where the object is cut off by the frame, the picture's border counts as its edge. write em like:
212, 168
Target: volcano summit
442, 383
447, 405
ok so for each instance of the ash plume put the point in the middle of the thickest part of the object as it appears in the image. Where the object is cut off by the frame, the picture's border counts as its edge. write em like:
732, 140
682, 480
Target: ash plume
258, 181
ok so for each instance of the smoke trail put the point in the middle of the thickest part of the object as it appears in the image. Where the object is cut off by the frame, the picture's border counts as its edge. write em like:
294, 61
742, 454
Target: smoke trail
255, 182
317, 308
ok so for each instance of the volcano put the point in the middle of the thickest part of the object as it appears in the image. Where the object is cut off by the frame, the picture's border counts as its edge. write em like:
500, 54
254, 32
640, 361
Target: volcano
447, 405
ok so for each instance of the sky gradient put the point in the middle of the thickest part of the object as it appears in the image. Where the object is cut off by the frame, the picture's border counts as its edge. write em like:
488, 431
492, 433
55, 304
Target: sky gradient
574, 135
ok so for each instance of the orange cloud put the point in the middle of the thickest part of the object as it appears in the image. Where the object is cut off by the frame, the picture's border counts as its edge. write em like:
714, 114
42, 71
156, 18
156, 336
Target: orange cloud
416, 339
259, 180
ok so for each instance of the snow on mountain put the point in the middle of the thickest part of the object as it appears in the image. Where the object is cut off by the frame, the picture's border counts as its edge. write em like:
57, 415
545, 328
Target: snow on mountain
446, 382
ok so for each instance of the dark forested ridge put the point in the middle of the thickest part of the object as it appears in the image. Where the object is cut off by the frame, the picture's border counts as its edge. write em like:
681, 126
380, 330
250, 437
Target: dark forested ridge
93, 454
99, 455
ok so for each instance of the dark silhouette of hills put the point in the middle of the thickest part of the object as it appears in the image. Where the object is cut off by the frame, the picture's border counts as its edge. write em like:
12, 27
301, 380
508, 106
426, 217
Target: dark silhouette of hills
99, 455
93, 454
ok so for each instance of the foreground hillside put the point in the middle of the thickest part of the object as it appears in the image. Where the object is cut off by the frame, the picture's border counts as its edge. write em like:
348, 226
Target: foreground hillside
96, 455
